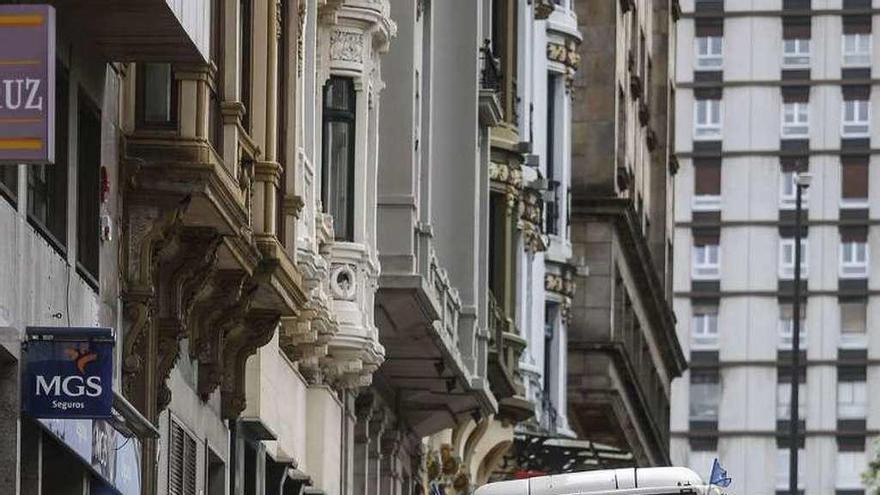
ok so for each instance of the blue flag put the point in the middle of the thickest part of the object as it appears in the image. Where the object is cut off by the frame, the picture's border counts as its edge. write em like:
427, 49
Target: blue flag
719, 475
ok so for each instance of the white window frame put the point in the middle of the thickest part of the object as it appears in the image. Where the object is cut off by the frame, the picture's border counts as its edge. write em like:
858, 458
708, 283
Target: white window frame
783, 401
786, 263
856, 50
799, 127
788, 192
710, 130
714, 410
782, 468
785, 331
708, 52
852, 464
702, 265
852, 400
850, 264
854, 340
706, 202
796, 53
860, 124
704, 329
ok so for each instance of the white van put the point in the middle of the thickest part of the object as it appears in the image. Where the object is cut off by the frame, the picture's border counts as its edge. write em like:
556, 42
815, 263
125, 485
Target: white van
629, 481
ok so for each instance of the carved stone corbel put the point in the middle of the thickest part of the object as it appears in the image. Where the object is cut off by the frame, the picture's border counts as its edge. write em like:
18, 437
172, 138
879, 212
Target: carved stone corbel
149, 231
187, 275
241, 342
227, 312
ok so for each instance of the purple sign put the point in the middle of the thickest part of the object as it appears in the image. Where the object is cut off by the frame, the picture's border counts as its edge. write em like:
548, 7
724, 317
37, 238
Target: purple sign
27, 84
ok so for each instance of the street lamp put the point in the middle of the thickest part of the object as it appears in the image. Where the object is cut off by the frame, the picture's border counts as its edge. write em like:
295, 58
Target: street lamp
801, 182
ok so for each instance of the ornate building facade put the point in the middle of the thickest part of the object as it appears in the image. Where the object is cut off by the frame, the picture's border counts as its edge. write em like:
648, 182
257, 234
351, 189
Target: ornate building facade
334, 238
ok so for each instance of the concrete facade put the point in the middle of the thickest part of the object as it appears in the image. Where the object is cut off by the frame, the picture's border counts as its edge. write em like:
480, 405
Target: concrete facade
723, 407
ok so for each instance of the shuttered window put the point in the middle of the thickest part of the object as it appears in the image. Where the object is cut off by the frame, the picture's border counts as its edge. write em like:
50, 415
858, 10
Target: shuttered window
854, 181
181, 462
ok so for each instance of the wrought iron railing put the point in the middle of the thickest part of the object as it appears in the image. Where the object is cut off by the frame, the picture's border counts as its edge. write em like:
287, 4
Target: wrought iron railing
491, 77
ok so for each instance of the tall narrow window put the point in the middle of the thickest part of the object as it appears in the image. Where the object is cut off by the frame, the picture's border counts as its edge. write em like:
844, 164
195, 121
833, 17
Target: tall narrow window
47, 184
705, 395
215, 112
852, 400
782, 469
337, 179
856, 50
850, 466
182, 461
706, 263
854, 182
796, 53
783, 400
553, 203
796, 120
709, 52
244, 59
853, 252
704, 332
156, 96
786, 258
88, 187
790, 167
856, 121
786, 327
281, 120
796, 34
707, 185
853, 324
707, 119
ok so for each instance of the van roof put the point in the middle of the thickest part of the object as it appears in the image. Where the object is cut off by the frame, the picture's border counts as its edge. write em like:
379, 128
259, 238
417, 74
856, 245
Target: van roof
608, 480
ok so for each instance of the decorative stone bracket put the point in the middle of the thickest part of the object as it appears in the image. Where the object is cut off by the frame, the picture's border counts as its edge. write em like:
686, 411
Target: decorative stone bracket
567, 55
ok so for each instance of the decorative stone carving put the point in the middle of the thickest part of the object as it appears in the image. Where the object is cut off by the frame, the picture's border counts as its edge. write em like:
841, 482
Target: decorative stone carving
446, 471
346, 46
531, 218
543, 9
343, 282
241, 342
508, 179
567, 55
563, 286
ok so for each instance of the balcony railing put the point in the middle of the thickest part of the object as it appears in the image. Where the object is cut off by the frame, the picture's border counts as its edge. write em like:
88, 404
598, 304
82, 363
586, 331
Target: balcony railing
505, 349
491, 77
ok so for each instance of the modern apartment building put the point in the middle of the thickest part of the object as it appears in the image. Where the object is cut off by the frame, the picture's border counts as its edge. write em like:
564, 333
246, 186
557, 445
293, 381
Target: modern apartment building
331, 238
767, 90
623, 351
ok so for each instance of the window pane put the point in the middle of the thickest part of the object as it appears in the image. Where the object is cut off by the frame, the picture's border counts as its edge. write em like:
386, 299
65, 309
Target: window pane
157, 93
338, 194
88, 186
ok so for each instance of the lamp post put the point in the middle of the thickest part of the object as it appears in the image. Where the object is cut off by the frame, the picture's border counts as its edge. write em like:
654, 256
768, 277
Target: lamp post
802, 182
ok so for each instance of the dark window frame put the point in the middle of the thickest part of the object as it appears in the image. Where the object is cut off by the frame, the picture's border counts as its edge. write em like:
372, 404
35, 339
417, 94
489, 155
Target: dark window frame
245, 61
282, 115
141, 102
215, 87
348, 116
54, 187
552, 207
88, 204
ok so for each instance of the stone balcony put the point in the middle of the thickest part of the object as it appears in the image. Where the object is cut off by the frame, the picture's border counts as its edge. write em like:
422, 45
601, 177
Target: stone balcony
420, 318
194, 266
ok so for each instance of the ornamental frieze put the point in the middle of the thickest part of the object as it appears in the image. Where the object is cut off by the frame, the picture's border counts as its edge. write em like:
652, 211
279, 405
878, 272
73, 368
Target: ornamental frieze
508, 179
564, 53
347, 46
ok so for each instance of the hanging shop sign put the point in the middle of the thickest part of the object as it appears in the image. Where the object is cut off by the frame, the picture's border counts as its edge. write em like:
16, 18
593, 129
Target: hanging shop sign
68, 373
27, 83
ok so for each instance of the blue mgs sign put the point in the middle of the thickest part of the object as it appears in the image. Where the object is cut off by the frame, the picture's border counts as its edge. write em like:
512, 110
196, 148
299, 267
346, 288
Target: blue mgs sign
68, 373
